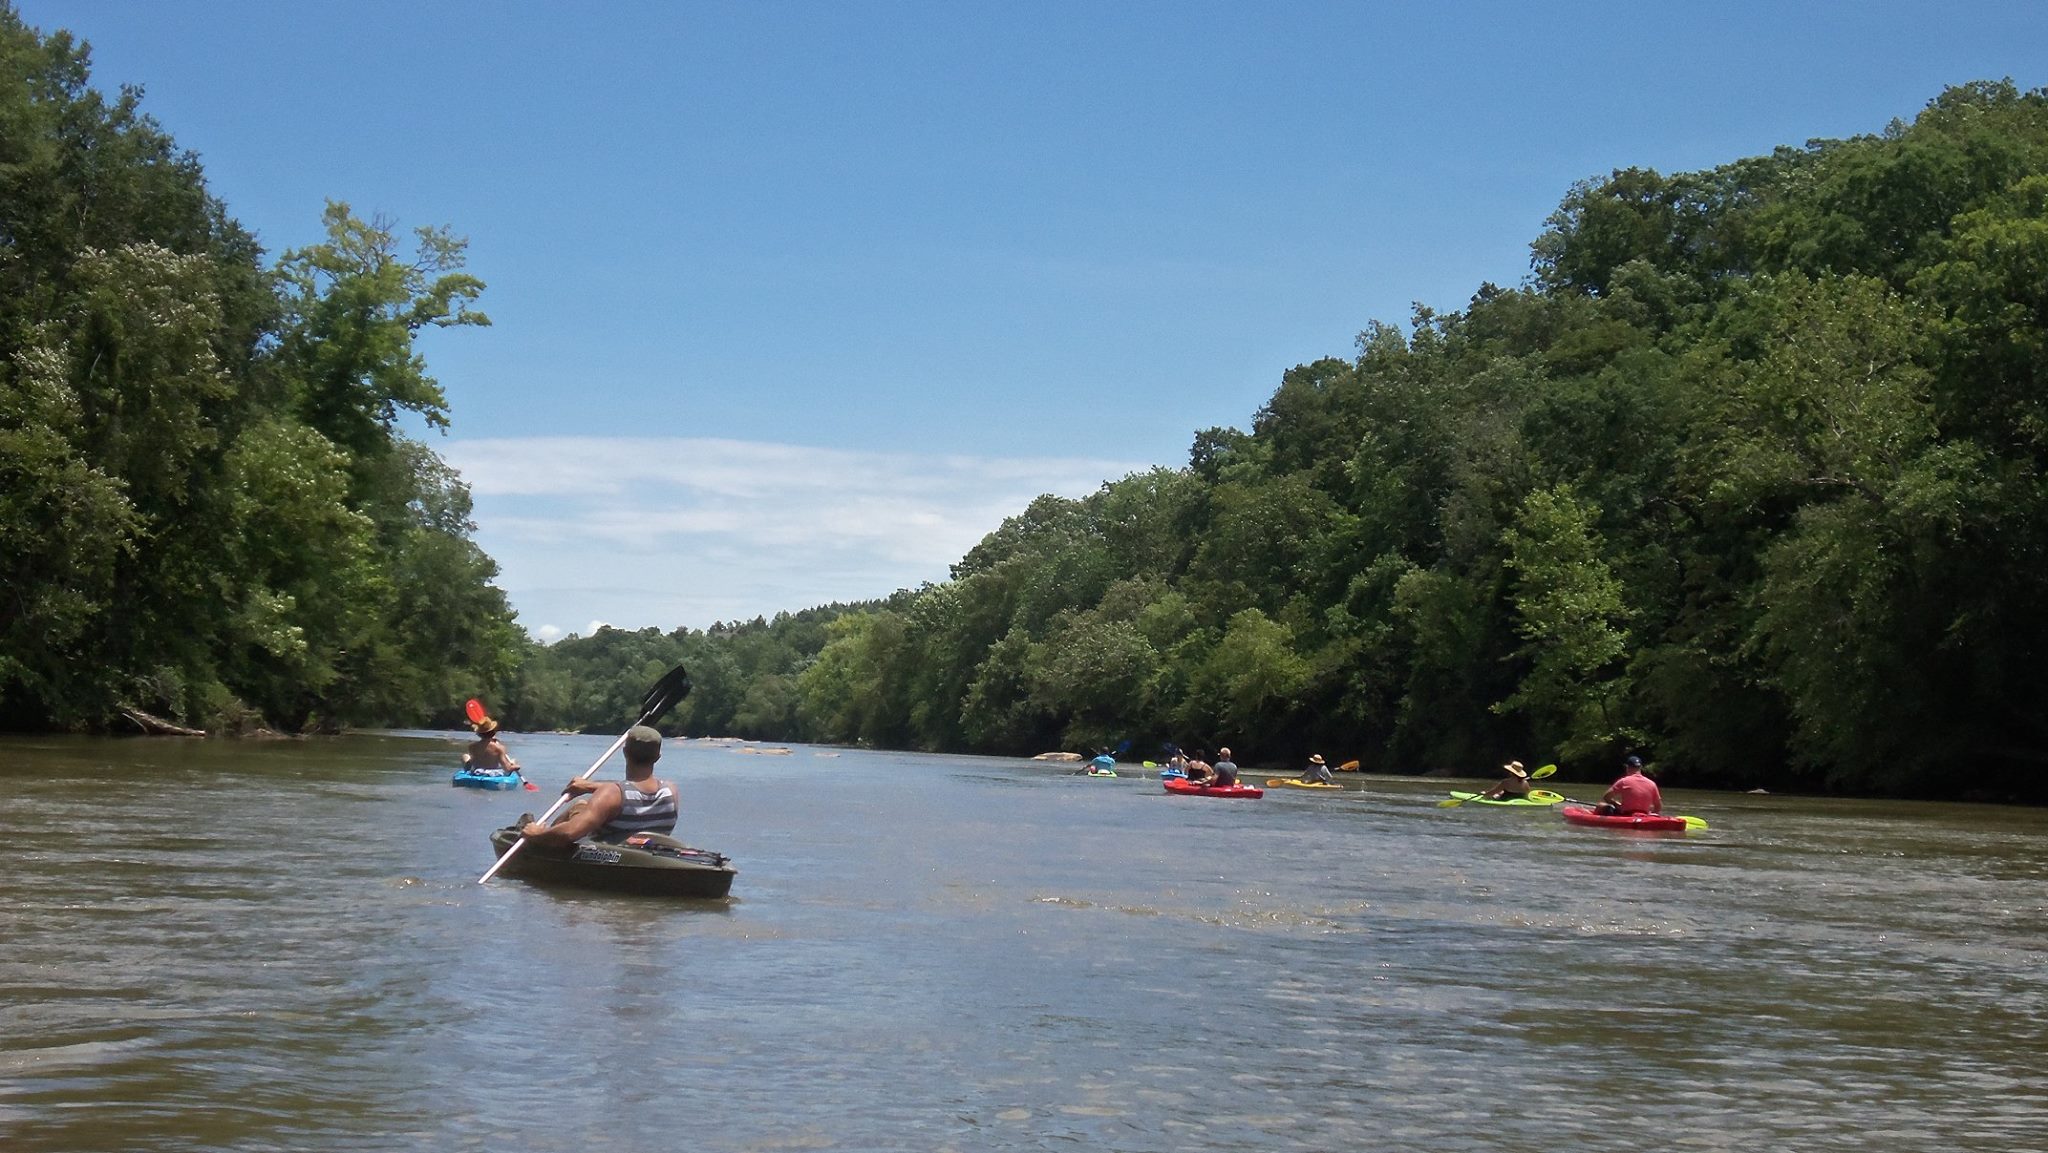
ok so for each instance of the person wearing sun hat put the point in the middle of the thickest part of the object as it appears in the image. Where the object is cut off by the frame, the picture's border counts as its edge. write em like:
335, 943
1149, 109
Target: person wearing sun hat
1633, 793
1317, 772
1514, 784
488, 754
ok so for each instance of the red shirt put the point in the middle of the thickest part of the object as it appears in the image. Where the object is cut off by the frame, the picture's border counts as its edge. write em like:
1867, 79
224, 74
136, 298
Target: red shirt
1636, 793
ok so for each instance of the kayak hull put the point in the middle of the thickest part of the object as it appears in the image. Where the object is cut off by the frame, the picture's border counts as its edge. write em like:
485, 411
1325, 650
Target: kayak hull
483, 779
1537, 799
1642, 822
1292, 783
1183, 788
647, 864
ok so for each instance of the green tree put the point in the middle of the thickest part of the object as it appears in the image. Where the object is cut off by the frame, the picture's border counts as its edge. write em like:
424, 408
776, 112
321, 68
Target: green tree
1572, 619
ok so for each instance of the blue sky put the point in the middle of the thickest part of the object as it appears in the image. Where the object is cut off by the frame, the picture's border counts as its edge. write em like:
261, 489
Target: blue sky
793, 302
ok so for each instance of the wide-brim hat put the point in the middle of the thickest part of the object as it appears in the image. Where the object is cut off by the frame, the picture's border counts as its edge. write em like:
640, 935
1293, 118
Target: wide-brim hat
1317, 759
486, 728
1514, 768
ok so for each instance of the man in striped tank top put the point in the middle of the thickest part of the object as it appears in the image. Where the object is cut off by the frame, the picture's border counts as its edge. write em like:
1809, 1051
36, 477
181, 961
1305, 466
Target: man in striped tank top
615, 810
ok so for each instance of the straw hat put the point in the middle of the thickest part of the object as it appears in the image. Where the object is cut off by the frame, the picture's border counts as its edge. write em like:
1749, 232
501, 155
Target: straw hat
1515, 769
1316, 759
486, 728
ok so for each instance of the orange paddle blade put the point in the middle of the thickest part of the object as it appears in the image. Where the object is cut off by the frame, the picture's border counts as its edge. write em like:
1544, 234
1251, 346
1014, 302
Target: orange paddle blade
476, 711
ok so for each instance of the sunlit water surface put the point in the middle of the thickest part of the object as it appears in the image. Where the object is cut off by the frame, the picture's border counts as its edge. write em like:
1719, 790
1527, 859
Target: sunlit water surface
210, 945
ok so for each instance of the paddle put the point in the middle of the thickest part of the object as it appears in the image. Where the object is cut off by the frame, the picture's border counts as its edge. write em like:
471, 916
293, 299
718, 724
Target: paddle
666, 693
1454, 802
1348, 767
1690, 822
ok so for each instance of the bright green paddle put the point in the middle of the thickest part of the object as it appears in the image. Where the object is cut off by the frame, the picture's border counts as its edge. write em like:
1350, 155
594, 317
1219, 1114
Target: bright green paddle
1454, 802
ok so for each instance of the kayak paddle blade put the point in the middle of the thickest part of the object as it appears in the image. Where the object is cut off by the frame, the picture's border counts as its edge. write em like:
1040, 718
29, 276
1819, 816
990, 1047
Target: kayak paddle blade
475, 711
665, 695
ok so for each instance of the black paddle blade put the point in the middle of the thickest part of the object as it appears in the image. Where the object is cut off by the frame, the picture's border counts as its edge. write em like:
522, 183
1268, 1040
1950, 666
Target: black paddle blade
666, 694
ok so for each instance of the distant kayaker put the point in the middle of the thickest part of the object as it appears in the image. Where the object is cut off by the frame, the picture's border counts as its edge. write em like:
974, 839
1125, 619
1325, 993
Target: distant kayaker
1224, 772
1317, 772
1515, 784
488, 754
1633, 793
614, 810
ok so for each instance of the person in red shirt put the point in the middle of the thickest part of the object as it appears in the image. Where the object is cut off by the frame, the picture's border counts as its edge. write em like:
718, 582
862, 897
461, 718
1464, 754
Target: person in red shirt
1633, 793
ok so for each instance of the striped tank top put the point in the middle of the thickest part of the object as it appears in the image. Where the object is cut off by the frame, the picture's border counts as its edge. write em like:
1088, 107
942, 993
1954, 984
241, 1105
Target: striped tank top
653, 812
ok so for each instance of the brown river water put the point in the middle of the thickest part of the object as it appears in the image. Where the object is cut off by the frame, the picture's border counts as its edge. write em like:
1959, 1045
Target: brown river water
282, 946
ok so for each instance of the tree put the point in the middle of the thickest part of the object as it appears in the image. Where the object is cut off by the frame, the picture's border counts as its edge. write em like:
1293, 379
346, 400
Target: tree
352, 309
1572, 620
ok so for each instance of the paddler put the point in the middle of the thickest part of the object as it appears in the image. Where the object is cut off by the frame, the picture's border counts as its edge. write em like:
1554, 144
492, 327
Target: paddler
1633, 793
488, 754
1317, 772
615, 810
1514, 784
1223, 774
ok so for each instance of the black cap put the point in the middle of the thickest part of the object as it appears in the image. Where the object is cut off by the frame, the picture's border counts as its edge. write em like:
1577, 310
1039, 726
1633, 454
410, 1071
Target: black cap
1633, 761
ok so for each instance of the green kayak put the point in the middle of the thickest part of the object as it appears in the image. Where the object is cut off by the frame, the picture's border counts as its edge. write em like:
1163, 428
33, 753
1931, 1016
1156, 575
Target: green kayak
1537, 799
648, 863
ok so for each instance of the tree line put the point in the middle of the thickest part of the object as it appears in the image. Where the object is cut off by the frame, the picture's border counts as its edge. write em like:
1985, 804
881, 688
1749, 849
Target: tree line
1748, 477
209, 511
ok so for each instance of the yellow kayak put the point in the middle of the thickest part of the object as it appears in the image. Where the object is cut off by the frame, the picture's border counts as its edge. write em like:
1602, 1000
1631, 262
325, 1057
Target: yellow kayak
1291, 782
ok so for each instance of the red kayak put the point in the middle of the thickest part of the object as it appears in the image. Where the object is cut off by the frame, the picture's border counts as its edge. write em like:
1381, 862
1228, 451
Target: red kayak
1652, 822
1177, 785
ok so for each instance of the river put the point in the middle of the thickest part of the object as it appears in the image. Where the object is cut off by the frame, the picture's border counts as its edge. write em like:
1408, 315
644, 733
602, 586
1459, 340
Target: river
265, 946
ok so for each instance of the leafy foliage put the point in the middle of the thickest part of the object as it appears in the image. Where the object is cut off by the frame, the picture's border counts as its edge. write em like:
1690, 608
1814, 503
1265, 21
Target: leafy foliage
1748, 477
206, 505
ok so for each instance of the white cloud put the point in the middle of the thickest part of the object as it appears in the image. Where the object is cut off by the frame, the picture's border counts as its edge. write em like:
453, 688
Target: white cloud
680, 531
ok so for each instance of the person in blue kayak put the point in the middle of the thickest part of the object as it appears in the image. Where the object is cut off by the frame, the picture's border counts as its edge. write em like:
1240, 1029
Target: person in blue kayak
1223, 773
615, 810
1103, 765
1633, 793
488, 754
1317, 772
1514, 784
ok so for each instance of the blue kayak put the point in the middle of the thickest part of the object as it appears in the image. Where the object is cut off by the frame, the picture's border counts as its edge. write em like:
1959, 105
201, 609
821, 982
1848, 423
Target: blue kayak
1169, 774
468, 778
